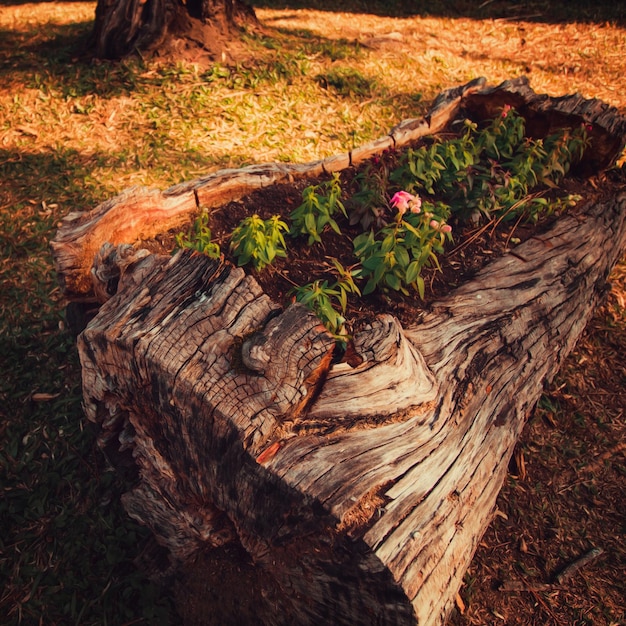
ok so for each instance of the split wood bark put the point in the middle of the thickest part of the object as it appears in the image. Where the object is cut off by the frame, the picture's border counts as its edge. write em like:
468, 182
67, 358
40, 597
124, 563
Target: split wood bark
358, 492
124, 27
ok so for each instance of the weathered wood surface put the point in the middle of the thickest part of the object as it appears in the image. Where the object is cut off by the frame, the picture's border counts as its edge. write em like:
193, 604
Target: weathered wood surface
124, 27
184, 369
359, 492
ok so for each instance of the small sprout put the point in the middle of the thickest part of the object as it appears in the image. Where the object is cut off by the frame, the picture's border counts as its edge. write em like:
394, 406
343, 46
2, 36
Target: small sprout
320, 204
319, 295
259, 241
200, 238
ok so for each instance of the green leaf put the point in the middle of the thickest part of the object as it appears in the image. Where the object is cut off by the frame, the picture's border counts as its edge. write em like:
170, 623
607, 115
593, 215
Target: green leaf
371, 263
402, 256
369, 287
393, 281
309, 223
421, 287
334, 226
343, 300
412, 272
379, 272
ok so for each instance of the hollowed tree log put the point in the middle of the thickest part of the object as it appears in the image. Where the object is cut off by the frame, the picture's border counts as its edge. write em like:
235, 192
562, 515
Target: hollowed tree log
357, 494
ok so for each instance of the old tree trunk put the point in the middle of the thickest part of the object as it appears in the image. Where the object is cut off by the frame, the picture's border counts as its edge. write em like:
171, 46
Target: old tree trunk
126, 26
323, 492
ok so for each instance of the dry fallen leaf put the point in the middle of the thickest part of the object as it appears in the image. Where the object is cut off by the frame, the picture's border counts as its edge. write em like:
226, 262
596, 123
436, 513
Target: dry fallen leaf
44, 397
460, 604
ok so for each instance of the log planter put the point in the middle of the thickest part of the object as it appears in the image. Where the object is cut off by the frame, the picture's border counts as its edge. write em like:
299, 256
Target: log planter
324, 492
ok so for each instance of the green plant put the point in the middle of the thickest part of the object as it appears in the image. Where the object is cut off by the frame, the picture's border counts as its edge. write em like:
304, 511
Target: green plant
199, 239
346, 82
259, 241
395, 256
319, 295
252, 74
439, 167
367, 205
492, 171
320, 203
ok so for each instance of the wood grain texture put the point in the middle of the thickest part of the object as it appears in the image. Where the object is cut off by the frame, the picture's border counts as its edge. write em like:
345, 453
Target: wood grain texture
207, 382
358, 492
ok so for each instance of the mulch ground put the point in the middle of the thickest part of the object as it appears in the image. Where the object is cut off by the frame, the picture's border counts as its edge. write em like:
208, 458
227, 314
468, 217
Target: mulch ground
555, 554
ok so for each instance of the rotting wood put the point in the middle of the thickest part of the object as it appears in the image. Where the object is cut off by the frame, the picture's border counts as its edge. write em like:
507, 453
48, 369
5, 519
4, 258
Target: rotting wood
573, 568
563, 577
227, 453
245, 434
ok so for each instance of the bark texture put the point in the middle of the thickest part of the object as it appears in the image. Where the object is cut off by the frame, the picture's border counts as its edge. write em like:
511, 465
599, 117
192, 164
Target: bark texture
123, 27
358, 493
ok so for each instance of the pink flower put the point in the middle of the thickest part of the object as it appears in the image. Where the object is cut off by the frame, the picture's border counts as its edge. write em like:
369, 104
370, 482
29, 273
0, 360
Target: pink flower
442, 228
400, 200
403, 201
505, 110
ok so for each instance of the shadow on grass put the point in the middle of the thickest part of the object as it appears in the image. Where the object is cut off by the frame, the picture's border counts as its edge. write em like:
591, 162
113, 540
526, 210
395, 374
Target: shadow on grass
56, 57
52, 176
535, 10
67, 547
56, 61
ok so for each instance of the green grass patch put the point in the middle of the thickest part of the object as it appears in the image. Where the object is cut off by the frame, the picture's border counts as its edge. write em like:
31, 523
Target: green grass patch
347, 82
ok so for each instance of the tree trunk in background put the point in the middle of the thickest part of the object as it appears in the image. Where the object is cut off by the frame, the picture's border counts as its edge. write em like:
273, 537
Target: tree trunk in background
289, 489
126, 26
